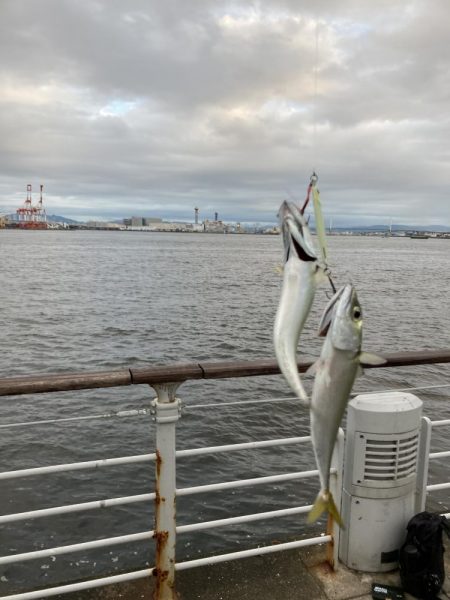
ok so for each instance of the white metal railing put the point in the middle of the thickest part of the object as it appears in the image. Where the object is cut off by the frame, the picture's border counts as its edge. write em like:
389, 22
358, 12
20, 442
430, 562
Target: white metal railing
166, 414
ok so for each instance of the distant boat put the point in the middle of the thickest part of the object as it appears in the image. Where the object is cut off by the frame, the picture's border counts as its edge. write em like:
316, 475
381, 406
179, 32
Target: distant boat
419, 236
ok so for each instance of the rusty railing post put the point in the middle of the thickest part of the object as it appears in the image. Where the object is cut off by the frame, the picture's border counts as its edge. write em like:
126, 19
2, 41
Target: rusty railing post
167, 412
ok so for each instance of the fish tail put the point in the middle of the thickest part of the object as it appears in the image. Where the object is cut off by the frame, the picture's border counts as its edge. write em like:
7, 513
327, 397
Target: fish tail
325, 503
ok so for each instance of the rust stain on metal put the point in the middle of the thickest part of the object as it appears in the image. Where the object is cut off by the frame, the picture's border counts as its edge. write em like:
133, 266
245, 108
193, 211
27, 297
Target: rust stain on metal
326, 568
162, 576
158, 464
161, 537
161, 581
330, 545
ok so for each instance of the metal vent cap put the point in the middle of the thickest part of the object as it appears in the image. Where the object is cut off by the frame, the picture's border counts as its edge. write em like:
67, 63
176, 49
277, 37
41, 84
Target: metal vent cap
384, 413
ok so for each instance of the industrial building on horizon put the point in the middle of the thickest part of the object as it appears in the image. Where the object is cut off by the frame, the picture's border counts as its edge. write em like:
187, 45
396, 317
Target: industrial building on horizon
157, 224
29, 216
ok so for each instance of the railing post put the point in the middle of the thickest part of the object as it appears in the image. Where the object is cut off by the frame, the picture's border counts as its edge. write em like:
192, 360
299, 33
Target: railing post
423, 460
336, 480
167, 412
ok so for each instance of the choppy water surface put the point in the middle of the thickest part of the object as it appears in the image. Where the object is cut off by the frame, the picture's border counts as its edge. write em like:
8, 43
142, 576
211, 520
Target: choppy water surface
96, 300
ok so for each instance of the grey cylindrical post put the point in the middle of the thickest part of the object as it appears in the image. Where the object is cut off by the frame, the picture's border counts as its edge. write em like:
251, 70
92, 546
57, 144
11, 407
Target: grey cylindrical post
382, 440
167, 412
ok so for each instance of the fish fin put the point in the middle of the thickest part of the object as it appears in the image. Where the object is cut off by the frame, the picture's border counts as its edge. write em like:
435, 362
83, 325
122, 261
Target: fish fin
327, 315
325, 503
279, 269
371, 359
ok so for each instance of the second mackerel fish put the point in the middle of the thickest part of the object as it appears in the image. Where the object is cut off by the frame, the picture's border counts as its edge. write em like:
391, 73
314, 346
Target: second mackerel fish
335, 372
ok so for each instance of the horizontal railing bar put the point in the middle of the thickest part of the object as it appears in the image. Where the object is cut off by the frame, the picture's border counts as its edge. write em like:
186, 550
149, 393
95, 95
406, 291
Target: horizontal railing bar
243, 446
114, 579
440, 454
406, 389
199, 489
438, 486
70, 508
81, 585
139, 458
212, 560
440, 423
146, 535
39, 384
60, 550
90, 464
273, 514
110, 502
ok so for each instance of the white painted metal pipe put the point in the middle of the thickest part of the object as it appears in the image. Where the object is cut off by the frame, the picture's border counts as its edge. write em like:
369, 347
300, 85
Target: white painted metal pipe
212, 560
90, 464
199, 489
167, 409
438, 486
146, 535
440, 454
140, 458
285, 512
110, 502
114, 579
60, 550
70, 508
442, 423
81, 585
243, 446
406, 389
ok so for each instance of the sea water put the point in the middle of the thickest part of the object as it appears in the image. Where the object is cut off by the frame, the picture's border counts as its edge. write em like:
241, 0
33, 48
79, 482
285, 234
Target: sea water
88, 301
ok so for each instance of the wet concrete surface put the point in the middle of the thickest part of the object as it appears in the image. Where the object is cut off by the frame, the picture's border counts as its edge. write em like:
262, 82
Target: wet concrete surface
300, 574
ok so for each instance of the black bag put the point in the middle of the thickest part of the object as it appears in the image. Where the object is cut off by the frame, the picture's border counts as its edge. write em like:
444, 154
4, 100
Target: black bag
421, 558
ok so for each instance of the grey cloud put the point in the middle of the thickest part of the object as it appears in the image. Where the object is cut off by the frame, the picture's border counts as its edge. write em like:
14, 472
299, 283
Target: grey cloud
150, 106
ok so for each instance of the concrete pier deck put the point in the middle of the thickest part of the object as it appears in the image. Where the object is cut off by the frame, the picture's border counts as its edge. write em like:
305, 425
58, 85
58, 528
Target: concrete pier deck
299, 574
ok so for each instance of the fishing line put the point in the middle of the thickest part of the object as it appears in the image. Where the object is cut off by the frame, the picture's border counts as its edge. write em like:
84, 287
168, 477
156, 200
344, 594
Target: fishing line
314, 104
312, 187
110, 415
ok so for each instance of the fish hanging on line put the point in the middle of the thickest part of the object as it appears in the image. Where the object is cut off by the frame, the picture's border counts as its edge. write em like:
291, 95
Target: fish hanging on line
301, 273
335, 372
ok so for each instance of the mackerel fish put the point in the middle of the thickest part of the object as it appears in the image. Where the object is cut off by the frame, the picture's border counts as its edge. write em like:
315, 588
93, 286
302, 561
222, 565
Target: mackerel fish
301, 274
335, 372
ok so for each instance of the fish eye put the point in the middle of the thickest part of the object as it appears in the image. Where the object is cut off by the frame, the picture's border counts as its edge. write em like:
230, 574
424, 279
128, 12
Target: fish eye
357, 314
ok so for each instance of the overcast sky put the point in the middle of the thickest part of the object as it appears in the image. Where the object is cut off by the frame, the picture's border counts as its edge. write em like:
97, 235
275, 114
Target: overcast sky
151, 107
